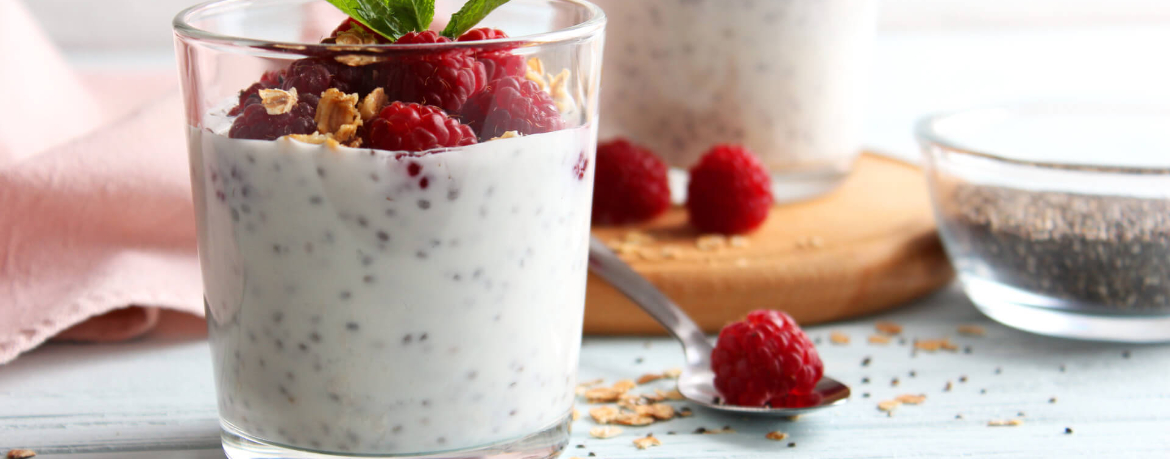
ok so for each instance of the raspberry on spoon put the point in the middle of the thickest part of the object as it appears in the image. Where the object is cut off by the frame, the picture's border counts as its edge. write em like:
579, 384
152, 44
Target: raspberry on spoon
766, 359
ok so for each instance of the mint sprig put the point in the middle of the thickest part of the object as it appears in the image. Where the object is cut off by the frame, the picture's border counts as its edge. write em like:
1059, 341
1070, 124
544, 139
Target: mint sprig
467, 17
390, 18
418, 13
395, 18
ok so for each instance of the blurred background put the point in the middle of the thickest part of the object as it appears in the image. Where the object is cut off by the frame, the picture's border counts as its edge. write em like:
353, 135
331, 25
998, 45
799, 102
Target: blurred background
931, 54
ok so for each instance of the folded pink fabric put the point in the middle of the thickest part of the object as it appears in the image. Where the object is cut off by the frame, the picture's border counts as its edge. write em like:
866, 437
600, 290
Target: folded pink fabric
96, 223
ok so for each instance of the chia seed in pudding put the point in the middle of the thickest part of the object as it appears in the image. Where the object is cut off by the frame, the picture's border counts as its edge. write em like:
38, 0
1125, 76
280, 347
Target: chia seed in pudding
376, 302
1092, 251
783, 77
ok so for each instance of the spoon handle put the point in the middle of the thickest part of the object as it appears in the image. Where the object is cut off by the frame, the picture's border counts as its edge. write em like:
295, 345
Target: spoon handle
604, 263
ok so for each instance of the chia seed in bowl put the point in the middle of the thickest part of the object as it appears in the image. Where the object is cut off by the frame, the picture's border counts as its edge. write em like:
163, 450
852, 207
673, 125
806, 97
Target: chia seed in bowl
1057, 216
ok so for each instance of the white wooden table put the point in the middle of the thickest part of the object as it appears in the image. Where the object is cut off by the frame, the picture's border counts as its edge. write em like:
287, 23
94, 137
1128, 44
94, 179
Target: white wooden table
155, 398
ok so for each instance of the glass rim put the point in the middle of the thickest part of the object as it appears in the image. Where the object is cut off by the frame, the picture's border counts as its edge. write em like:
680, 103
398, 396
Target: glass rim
926, 133
182, 27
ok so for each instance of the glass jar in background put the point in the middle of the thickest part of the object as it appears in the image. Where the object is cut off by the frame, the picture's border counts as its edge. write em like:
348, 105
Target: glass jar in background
373, 303
786, 78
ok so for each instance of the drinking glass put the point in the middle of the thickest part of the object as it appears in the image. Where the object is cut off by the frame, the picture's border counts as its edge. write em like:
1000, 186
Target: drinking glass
373, 303
786, 78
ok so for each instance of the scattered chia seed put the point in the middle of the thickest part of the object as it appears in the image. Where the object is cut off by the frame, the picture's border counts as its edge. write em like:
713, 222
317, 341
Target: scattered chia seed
1093, 251
639, 360
1125, 354
865, 361
580, 446
1052, 400
865, 380
963, 379
1068, 431
865, 395
792, 444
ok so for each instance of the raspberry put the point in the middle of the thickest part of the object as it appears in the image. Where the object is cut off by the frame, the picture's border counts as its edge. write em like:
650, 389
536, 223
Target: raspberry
730, 191
271, 79
498, 62
511, 104
629, 184
766, 359
444, 79
356, 31
256, 123
413, 127
315, 75
425, 37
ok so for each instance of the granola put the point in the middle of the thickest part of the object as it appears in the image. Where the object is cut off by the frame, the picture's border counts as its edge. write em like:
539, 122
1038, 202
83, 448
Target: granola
605, 432
278, 101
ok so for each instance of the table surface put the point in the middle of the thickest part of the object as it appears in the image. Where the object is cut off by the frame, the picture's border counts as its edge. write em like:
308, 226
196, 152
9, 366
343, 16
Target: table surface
155, 398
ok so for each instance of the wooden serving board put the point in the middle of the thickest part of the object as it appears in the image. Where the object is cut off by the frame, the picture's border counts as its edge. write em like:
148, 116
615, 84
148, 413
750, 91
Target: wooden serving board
868, 246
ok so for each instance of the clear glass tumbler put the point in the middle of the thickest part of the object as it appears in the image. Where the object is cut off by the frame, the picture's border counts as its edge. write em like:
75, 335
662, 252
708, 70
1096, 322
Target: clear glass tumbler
786, 78
374, 303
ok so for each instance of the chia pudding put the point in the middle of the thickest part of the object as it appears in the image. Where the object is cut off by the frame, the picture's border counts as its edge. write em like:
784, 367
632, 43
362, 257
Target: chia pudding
783, 77
367, 301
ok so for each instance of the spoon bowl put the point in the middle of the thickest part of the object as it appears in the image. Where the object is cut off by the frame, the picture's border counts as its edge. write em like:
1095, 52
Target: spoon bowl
697, 382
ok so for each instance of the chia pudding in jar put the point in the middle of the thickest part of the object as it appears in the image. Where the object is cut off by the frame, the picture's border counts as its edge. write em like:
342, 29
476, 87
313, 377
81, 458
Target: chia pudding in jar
394, 266
783, 77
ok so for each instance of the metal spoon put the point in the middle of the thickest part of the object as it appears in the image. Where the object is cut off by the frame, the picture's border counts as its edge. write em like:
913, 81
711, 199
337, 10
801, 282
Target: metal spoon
697, 380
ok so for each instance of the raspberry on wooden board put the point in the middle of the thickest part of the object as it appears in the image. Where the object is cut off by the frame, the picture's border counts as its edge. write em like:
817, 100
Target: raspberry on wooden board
630, 184
730, 191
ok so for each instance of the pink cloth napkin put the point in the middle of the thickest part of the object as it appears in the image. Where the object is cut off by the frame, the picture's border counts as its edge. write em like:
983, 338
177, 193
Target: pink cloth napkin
96, 223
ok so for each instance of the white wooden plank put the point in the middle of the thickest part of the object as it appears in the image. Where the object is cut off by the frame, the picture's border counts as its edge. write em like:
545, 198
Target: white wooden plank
156, 399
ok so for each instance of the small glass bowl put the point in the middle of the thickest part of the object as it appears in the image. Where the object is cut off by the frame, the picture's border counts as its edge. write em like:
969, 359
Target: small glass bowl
1057, 215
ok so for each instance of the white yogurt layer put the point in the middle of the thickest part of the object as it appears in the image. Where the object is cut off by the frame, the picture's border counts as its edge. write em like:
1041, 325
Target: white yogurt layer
358, 304
784, 77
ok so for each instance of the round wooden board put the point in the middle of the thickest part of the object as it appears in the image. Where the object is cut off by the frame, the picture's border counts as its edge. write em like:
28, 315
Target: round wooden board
868, 246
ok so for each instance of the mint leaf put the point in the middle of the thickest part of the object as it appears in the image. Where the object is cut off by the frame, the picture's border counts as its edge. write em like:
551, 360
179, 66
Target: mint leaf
391, 18
472, 12
416, 13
